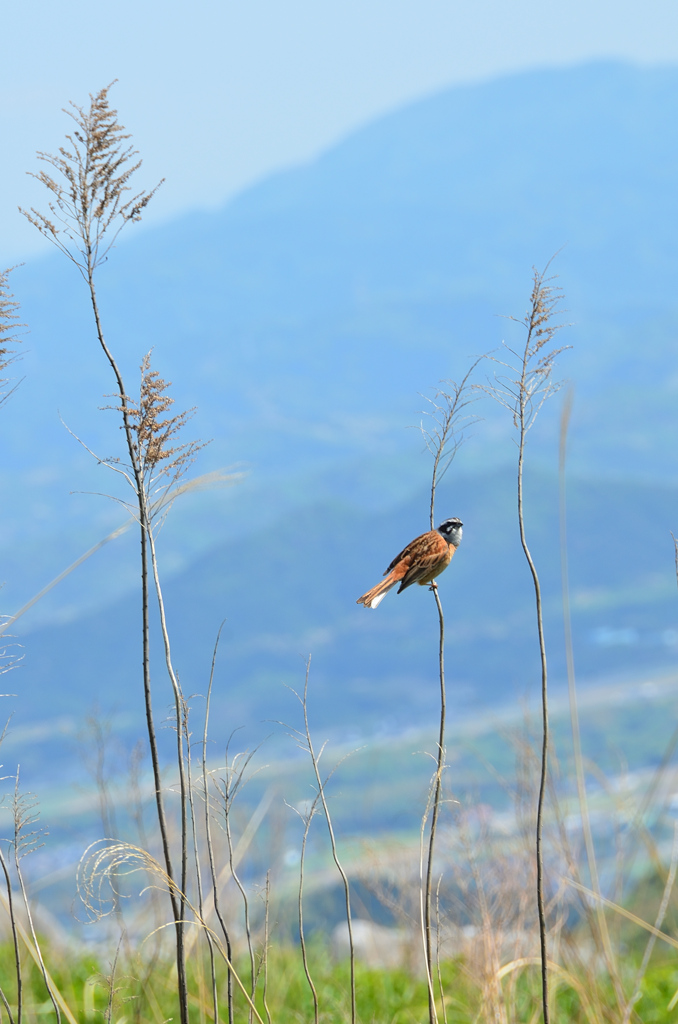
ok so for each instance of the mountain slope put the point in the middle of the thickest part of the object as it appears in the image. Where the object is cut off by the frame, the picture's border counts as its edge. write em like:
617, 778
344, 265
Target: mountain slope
303, 320
290, 590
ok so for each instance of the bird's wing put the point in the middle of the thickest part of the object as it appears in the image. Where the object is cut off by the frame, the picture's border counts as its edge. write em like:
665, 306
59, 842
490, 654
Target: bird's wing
411, 549
425, 558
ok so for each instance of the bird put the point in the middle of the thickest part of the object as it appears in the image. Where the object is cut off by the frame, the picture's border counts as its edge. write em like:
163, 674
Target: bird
420, 562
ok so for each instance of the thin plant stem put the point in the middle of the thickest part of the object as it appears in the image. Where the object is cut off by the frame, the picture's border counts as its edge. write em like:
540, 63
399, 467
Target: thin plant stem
433, 1013
545, 726
145, 628
146, 538
333, 843
437, 799
443, 439
36, 958
26, 840
229, 792
36, 944
15, 941
208, 833
438, 971
300, 906
108, 1012
523, 388
651, 942
5, 1003
180, 712
198, 875
267, 908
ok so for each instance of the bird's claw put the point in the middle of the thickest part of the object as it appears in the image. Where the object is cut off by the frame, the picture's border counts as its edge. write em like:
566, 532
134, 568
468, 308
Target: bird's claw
433, 586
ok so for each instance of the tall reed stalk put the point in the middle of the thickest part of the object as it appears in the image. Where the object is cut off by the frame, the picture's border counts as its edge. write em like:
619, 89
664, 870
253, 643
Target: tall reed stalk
522, 387
443, 434
89, 185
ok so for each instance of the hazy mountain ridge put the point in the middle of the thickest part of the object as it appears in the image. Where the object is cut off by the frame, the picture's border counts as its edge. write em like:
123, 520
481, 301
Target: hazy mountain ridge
303, 320
291, 592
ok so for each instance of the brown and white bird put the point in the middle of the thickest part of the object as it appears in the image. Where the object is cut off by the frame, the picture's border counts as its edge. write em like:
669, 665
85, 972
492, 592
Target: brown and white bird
420, 562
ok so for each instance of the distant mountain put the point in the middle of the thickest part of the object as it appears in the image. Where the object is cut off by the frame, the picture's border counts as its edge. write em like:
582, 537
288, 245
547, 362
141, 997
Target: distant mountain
303, 321
289, 592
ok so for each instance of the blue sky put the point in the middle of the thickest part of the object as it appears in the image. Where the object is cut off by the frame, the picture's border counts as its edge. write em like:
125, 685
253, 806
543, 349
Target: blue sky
221, 94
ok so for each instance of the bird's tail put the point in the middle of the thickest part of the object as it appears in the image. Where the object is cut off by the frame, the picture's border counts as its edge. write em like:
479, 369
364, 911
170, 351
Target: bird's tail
374, 597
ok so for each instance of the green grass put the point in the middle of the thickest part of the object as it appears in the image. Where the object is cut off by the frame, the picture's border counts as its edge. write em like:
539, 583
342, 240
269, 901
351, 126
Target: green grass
145, 992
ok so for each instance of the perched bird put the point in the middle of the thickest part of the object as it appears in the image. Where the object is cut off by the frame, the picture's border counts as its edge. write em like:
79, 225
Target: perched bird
420, 562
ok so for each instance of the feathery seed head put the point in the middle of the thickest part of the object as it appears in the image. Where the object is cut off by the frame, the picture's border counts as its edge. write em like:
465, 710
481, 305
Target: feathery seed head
89, 181
9, 322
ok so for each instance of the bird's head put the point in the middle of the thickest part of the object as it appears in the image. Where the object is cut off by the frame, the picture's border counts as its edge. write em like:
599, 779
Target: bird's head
451, 530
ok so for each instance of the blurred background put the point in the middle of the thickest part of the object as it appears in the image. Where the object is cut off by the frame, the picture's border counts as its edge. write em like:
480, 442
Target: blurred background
355, 195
